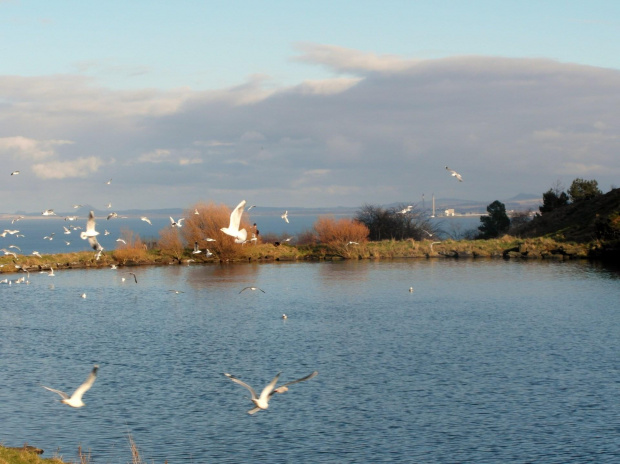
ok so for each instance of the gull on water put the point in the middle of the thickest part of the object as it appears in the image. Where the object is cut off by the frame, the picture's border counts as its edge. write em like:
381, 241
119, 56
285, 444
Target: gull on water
145, 219
453, 173
174, 223
284, 316
90, 233
252, 288
83, 295
176, 291
75, 400
233, 230
285, 216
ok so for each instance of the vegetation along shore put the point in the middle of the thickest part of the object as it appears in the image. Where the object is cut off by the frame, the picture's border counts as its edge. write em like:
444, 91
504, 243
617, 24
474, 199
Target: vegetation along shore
581, 224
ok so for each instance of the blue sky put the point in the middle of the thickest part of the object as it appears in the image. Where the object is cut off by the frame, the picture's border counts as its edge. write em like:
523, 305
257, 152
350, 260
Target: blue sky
305, 103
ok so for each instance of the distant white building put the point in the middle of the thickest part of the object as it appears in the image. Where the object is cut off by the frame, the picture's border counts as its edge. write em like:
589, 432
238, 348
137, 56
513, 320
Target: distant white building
449, 212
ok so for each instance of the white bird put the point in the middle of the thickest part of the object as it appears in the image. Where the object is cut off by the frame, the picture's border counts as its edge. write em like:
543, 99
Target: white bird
36, 253
196, 211
352, 243
112, 216
252, 288
91, 233
109, 182
284, 316
109, 205
174, 223
253, 206
71, 218
16, 247
453, 173
210, 240
176, 291
48, 212
17, 219
196, 249
83, 295
67, 231
262, 401
7, 253
77, 206
406, 210
67, 242
105, 232
410, 289
145, 219
50, 236
51, 272
233, 230
121, 240
14, 173
285, 216
75, 400
208, 254
113, 266
10, 231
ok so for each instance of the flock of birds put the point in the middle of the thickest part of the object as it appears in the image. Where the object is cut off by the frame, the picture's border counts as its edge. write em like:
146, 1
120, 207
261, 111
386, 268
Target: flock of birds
240, 235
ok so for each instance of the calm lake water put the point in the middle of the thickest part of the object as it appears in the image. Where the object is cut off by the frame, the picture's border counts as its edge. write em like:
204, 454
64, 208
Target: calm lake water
485, 362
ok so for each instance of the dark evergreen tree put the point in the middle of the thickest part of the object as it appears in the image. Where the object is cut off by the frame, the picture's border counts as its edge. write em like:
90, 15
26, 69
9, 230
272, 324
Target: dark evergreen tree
582, 189
496, 223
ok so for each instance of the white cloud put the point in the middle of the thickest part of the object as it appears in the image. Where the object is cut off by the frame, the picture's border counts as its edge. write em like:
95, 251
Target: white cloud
24, 147
156, 156
349, 60
80, 167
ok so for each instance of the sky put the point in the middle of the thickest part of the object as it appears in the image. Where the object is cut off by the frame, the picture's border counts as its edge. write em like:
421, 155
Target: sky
303, 104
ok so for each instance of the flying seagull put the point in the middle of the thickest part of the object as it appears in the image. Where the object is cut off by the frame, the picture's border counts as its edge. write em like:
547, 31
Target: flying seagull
121, 240
262, 401
112, 216
285, 216
196, 249
253, 206
48, 212
235, 221
91, 233
252, 288
145, 219
174, 223
14, 173
75, 401
453, 173
406, 210
109, 182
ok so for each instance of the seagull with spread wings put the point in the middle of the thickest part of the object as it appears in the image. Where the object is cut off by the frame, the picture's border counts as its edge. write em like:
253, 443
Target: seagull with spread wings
453, 173
233, 230
75, 400
90, 233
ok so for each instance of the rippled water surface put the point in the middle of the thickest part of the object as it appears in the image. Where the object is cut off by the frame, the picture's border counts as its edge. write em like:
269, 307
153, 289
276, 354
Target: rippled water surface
485, 362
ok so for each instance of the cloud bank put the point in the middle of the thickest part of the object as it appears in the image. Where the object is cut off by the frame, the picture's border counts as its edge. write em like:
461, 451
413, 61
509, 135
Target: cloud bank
381, 130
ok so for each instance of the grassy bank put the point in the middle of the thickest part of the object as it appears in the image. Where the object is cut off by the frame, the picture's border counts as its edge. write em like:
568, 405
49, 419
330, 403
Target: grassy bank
24, 456
506, 247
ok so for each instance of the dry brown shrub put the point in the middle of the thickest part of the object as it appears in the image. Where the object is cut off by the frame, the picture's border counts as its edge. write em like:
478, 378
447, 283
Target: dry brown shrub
344, 230
170, 242
132, 250
207, 224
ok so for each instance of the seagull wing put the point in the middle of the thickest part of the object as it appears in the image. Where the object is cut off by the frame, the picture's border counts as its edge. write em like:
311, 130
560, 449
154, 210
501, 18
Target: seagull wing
61, 393
94, 244
90, 223
245, 288
303, 379
266, 393
235, 216
77, 394
242, 383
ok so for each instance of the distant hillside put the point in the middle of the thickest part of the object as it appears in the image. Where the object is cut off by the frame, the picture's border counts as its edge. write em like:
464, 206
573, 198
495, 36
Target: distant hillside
582, 221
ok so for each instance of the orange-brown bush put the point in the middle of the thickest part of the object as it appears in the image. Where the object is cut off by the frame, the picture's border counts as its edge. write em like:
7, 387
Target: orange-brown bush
132, 250
332, 231
170, 242
207, 224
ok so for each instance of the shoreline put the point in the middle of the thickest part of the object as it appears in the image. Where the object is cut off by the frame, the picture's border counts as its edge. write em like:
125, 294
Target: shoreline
507, 248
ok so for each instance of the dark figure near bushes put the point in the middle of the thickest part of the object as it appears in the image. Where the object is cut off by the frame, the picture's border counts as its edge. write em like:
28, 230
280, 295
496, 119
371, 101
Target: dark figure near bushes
495, 223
